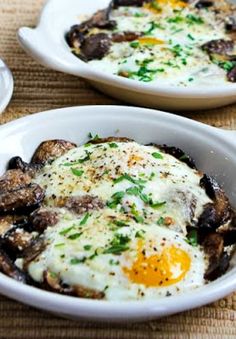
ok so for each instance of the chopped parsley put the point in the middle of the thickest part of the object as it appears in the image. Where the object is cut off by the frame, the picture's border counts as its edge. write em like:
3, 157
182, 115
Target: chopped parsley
119, 244
114, 262
157, 155
113, 145
60, 244
84, 220
190, 37
134, 44
75, 236
77, 172
120, 223
116, 199
66, 230
192, 19
160, 221
129, 178
192, 238
87, 247
76, 261
94, 138
153, 26
140, 234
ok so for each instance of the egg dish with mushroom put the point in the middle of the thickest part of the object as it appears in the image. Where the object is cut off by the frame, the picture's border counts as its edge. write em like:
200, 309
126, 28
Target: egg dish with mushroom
113, 219
166, 42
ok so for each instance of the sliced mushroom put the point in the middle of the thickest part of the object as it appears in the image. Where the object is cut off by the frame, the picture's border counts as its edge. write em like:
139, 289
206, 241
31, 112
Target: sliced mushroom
228, 232
219, 46
217, 213
230, 24
134, 3
76, 36
85, 292
13, 180
125, 36
50, 150
109, 139
177, 153
204, 4
8, 267
218, 260
96, 46
43, 218
231, 75
22, 200
33, 251
17, 239
83, 204
18, 163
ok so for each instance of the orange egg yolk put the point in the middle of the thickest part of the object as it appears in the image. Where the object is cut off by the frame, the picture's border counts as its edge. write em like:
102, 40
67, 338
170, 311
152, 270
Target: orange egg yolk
155, 6
164, 269
150, 41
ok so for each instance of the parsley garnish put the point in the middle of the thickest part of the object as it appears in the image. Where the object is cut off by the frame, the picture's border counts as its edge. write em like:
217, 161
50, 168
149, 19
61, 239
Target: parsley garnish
192, 238
117, 197
84, 220
76, 261
129, 178
87, 247
113, 145
75, 236
157, 155
118, 244
77, 172
66, 230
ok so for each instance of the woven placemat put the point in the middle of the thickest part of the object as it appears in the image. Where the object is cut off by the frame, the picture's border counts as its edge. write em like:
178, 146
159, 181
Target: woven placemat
38, 89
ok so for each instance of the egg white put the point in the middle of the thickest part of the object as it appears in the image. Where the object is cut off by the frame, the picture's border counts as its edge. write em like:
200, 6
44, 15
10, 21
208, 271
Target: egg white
84, 260
191, 67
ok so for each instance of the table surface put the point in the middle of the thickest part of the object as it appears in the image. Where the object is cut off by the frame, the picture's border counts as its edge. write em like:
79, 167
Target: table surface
38, 89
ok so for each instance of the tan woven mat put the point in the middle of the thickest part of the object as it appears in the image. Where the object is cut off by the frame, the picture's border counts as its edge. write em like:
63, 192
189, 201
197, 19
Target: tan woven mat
38, 89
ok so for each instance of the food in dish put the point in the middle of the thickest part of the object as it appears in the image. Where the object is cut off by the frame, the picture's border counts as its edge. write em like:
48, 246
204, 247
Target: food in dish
113, 219
173, 42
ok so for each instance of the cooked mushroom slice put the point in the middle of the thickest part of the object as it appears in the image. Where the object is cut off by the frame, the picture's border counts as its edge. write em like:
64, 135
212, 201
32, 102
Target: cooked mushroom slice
96, 46
85, 292
22, 200
85, 203
228, 232
177, 153
43, 218
50, 150
231, 75
6, 223
18, 163
17, 239
125, 36
219, 46
36, 247
218, 259
135, 3
8, 267
53, 283
13, 180
109, 140
100, 19
204, 4
230, 24
217, 213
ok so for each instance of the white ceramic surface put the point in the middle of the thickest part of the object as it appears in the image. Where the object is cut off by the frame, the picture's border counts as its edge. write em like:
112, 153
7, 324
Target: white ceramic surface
6, 85
214, 151
46, 44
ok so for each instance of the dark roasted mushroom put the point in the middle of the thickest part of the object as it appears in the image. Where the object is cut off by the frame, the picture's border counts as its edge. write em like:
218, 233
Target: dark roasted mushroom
217, 213
17, 240
85, 292
109, 139
231, 75
33, 251
230, 24
22, 200
85, 203
204, 4
135, 3
177, 153
8, 267
18, 163
13, 180
125, 36
49, 150
43, 218
96, 46
228, 232
219, 46
218, 260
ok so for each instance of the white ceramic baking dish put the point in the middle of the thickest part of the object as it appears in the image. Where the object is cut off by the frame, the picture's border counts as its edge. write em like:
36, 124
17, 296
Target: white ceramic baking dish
213, 149
46, 43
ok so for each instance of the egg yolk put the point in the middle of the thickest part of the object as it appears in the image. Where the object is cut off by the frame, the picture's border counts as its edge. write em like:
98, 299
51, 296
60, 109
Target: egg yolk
164, 269
155, 5
150, 41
